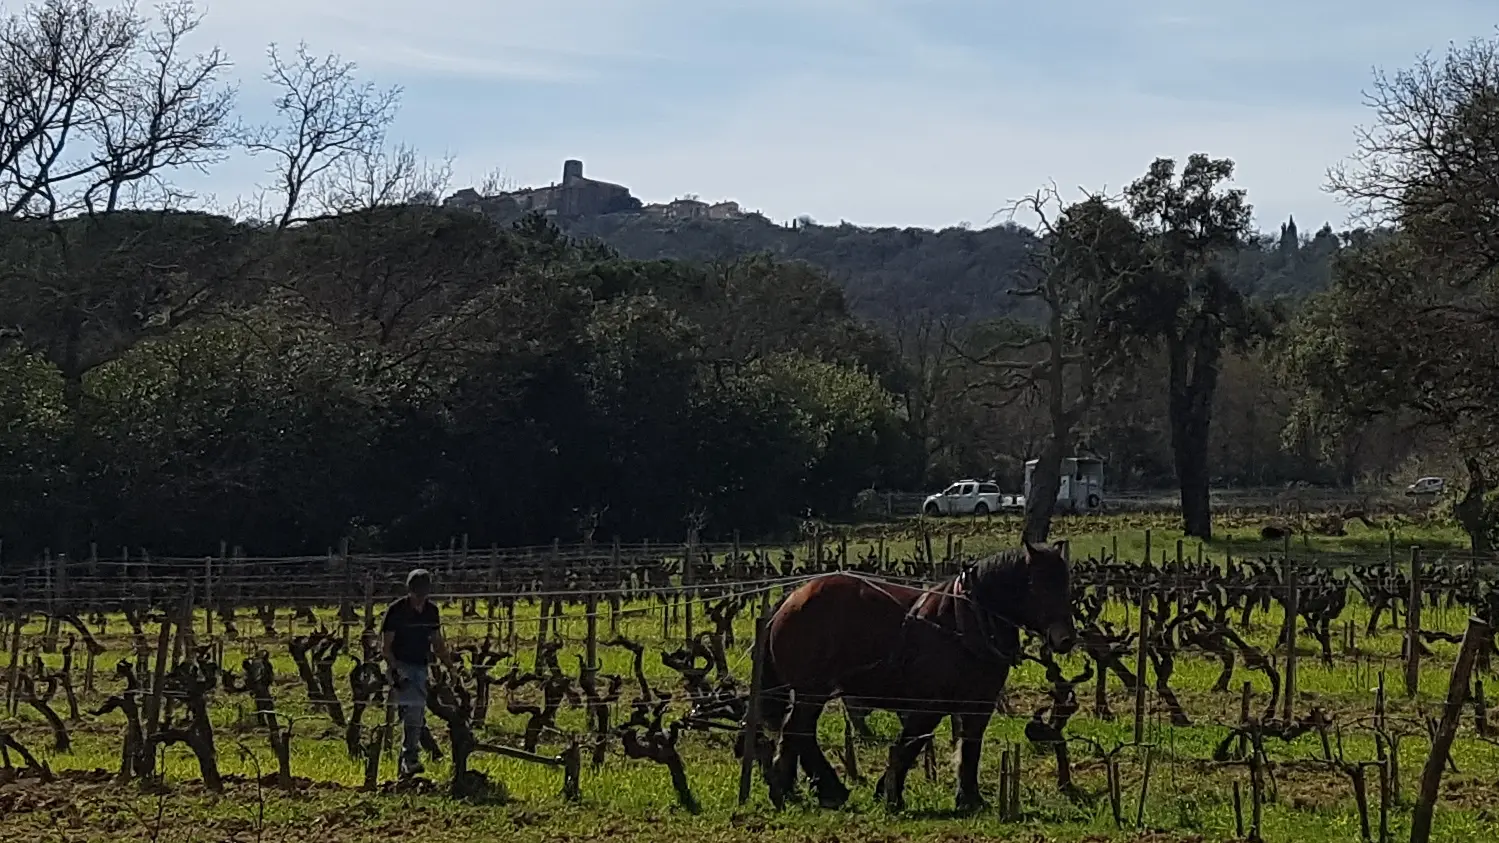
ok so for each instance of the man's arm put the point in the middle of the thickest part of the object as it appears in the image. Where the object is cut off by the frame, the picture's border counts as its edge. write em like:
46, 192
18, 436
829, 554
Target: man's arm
440, 647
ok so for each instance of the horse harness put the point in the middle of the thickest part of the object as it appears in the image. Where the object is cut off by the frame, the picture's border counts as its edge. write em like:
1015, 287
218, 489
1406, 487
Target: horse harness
989, 651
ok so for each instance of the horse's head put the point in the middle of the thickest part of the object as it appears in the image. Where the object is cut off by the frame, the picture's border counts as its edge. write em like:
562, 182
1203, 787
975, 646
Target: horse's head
1049, 595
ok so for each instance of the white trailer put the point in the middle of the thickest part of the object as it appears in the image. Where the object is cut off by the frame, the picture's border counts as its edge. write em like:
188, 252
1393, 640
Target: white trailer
1081, 490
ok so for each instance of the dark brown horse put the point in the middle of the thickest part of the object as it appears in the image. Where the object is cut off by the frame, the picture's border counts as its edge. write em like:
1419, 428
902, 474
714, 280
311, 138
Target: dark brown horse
924, 654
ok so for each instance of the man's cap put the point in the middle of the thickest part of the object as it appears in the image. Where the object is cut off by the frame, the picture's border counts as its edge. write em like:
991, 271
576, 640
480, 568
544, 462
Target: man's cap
418, 577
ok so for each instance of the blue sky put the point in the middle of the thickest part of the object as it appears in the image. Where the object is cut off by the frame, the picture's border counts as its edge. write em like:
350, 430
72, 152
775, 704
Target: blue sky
880, 112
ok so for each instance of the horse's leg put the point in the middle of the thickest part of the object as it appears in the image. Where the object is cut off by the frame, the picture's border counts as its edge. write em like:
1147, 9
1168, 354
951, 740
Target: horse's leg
972, 725
783, 768
858, 717
916, 729
831, 792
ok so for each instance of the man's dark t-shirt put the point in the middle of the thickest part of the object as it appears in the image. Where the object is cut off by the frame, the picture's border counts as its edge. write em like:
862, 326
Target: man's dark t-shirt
413, 630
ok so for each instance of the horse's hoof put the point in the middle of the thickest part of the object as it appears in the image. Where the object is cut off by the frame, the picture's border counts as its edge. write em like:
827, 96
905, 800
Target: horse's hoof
833, 798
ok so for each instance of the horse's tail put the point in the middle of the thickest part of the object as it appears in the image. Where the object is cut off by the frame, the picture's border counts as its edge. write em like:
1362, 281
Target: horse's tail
775, 697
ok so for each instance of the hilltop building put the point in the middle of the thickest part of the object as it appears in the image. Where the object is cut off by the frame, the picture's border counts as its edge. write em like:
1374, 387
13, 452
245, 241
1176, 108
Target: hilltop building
694, 209
575, 196
578, 196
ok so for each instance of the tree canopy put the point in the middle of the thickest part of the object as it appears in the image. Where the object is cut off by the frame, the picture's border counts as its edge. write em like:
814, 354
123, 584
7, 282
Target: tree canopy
344, 356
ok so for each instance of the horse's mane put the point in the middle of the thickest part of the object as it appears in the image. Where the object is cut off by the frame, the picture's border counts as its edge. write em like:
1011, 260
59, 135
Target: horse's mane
997, 565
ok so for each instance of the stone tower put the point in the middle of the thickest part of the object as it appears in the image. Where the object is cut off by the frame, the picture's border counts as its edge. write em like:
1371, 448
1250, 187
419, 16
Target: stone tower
572, 170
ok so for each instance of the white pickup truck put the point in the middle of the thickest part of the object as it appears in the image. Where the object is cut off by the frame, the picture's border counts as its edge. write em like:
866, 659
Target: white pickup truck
966, 497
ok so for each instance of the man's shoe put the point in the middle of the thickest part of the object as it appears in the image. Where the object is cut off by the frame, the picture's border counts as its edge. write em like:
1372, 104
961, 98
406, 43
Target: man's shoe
413, 769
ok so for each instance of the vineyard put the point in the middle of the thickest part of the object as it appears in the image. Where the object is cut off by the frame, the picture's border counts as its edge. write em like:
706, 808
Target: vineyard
605, 689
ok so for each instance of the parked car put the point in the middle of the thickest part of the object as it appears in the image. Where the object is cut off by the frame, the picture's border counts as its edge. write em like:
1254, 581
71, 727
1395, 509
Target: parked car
1427, 486
965, 497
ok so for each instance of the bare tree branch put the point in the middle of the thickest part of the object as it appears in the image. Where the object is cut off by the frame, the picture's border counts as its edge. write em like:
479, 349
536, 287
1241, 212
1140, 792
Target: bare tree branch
325, 119
93, 105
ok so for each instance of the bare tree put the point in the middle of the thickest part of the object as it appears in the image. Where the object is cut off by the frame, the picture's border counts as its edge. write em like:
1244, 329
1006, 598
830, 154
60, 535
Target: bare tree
330, 134
93, 102
496, 182
924, 342
1087, 250
381, 178
1430, 160
165, 112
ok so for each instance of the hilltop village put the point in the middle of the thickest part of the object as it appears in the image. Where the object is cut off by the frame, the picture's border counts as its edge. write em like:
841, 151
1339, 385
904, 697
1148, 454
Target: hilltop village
579, 196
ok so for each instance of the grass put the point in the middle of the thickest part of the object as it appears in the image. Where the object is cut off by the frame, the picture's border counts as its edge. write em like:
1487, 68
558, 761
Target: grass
1126, 537
1189, 798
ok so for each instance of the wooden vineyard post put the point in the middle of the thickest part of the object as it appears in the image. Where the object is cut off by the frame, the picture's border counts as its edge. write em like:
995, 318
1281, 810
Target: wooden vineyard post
13, 681
49, 630
615, 571
1477, 634
184, 645
752, 718
1141, 664
689, 579
1293, 613
492, 624
369, 601
1147, 560
1413, 627
544, 601
767, 576
158, 675
591, 643
207, 597
558, 576
1176, 578
346, 594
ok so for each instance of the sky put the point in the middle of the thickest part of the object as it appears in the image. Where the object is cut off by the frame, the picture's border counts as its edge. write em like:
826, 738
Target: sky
879, 112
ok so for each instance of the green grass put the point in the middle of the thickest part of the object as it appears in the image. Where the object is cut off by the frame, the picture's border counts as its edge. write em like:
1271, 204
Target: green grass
1126, 537
1188, 799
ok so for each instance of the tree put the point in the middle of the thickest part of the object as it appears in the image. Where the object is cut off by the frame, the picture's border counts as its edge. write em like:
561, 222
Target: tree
95, 105
92, 104
1390, 342
415, 281
1429, 163
329, 139
1089, 252
1187, 305
925, 342
1397, 336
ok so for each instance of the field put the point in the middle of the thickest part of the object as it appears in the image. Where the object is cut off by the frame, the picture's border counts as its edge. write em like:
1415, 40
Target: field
1186, 765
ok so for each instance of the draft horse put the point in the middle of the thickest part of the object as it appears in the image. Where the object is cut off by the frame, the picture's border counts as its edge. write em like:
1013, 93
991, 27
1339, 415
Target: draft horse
924, 654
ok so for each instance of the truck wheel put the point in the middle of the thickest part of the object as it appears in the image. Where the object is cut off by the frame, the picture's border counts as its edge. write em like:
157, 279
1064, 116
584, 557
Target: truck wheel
1094, 501
981, 509
932, 511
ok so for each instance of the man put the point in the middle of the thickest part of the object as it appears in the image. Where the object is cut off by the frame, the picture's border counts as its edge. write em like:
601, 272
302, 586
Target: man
412, 632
